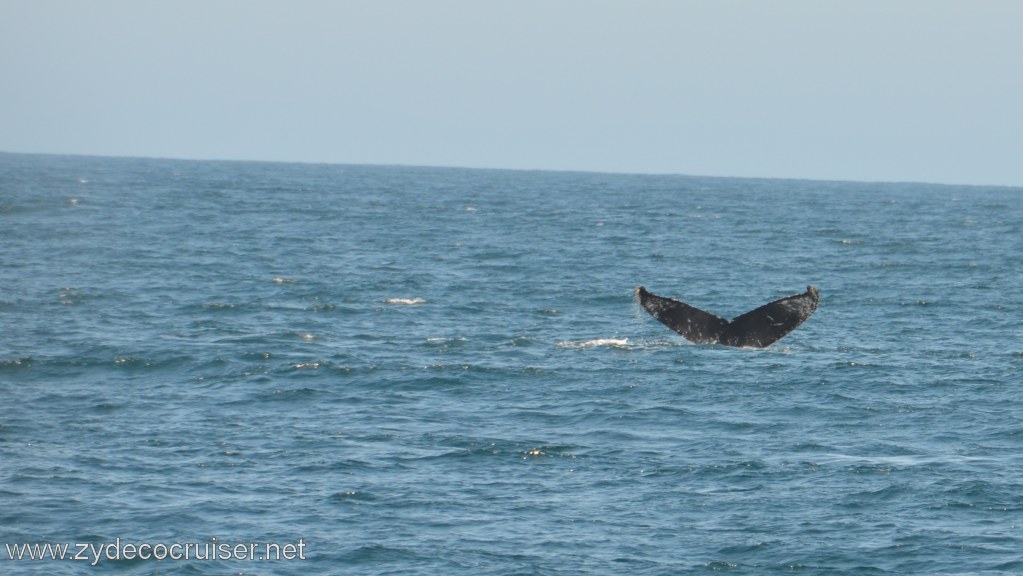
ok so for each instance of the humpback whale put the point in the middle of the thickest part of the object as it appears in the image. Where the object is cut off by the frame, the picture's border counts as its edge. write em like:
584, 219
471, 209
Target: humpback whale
755, 329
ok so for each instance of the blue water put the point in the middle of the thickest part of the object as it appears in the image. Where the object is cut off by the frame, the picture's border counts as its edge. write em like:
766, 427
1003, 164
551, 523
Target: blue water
442, 371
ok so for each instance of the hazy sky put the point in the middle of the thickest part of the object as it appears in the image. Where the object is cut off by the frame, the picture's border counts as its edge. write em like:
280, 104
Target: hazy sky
921, 90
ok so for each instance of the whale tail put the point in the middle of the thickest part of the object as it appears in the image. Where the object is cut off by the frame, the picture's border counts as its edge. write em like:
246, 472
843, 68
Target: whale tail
755, 329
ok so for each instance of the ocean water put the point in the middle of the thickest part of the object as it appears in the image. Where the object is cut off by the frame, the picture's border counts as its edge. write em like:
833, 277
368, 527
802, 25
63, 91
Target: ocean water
426, 371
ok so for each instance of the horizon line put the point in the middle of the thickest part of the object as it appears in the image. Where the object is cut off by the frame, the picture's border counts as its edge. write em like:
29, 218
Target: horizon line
505, 169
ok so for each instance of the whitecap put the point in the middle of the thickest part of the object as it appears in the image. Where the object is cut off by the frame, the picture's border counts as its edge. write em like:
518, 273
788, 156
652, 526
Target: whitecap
595, 343
405, 301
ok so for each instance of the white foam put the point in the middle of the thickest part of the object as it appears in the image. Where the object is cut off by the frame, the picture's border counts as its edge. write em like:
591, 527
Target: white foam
406, 301
595, 343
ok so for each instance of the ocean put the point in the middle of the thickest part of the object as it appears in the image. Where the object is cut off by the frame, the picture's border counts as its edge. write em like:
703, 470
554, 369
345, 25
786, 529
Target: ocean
215, 368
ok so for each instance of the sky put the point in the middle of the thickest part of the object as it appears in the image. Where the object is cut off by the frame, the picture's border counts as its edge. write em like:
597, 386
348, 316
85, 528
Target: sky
866, 90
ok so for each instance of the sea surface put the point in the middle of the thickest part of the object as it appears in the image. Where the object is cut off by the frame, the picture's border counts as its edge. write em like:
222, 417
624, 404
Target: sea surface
427, 371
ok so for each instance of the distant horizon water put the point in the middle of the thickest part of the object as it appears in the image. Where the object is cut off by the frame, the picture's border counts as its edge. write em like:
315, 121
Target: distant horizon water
521, 169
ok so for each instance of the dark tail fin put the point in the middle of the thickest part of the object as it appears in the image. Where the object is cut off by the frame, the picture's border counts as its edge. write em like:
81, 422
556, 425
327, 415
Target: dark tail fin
695, 324
771, 322
758, 328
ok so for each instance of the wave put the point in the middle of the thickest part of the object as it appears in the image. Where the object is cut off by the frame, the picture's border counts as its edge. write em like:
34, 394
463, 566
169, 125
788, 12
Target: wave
20, 362
405, 301
594, 343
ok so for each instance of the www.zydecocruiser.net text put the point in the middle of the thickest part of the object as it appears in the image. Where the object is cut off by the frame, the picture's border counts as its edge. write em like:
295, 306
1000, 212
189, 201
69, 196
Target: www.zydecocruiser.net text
117, 550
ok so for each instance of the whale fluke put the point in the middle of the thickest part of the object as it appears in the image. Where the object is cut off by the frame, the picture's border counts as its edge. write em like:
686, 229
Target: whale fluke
755, 329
